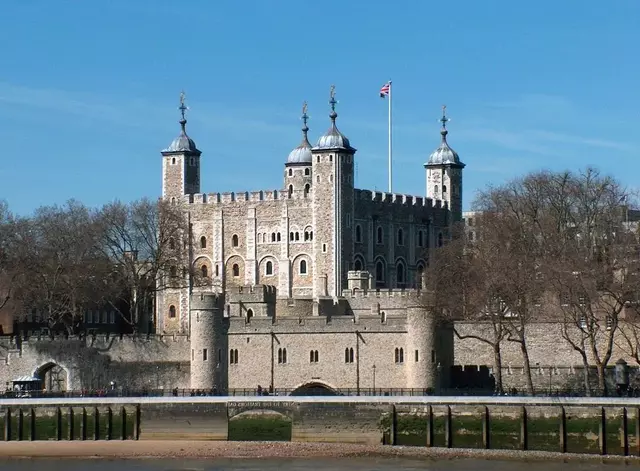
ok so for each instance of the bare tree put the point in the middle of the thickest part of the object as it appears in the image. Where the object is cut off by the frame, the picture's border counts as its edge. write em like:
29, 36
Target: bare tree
463, 284
149, 246
7, 254
58, 259
513, 224
590, 267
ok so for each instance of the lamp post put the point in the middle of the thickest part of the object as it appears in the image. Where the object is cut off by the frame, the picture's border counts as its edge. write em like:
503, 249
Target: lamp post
374, 378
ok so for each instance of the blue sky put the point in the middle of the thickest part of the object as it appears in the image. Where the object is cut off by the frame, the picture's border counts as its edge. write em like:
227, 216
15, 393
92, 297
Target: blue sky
89, 90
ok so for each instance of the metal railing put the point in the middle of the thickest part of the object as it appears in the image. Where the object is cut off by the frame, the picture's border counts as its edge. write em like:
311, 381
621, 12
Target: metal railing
251, 392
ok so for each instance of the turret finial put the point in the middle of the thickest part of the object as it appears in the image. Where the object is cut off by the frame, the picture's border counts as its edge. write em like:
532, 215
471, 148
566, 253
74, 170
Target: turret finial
444, 120
333, 102
305, 117
305, 128
183, 109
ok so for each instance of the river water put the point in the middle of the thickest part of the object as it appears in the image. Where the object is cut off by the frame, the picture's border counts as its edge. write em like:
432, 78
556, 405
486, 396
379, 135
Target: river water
350, 464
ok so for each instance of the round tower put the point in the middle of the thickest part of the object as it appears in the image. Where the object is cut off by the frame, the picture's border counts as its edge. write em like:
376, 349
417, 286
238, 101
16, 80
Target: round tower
421, 349
208, 344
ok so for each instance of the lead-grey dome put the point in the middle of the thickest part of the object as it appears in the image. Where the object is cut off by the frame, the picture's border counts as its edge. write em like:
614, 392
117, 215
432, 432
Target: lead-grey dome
302, 153
182, 143
333, 138
444, 154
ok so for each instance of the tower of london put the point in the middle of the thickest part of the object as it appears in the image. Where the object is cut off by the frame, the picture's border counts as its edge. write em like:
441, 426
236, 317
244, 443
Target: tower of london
315, 285
316, 282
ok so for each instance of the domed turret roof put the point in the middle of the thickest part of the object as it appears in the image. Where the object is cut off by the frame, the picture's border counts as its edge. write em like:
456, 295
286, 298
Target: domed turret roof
302, 153
182, 143
333, 138
444, 154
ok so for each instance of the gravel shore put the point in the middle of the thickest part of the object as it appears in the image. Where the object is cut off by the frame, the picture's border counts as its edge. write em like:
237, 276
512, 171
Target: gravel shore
211, 449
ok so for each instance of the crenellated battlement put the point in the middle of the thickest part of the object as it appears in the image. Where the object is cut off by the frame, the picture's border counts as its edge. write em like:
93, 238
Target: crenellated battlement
381, 293
253, 294
399, 199
13, 342
240, 197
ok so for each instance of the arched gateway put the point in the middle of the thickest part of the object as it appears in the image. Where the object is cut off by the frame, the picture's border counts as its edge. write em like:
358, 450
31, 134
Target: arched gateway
314, 388
54, 377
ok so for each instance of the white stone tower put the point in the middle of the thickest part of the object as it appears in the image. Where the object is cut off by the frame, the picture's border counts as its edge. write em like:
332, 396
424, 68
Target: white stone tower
181, 163
444, 174
421, 348
208, 344
332, 208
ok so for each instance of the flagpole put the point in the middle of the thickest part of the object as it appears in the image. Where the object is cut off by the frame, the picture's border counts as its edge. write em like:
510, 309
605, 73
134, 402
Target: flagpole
390, 148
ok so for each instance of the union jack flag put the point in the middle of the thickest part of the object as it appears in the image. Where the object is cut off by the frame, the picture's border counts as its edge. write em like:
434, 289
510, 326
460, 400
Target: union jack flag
384, 91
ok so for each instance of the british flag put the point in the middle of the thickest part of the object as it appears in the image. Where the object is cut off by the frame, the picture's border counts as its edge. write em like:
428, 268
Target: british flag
385, 90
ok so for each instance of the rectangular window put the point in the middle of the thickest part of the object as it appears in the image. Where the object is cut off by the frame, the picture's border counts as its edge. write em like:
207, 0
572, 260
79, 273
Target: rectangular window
204, 354
433, 356
417, 356
104, 317
112, 317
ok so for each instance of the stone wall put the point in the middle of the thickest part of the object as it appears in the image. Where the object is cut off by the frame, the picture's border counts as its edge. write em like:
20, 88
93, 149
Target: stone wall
88, 363
554, 362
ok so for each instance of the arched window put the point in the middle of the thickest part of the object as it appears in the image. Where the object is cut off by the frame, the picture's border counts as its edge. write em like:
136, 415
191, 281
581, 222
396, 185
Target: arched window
234, 240
282, 355
357, 265
290, 190
297, 236
173, 272
419, 273
269, 268
307, 172
204, 270
236, 269
173, 161
435, 189
291, 236
379, 272
380, 236
420, 239
172, 311
291, 172
259, 237
306, 190
233, 356
348, 355
172, 243
303, 267
203, 242
400, 237
400, 274
313, 356
278, 237
249, 313
358, 233
399, 355
444, 189
273, 237
440, 239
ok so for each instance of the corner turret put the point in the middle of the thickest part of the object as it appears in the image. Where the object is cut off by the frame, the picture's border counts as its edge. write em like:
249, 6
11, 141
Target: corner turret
181, 163
444, 174
209, 344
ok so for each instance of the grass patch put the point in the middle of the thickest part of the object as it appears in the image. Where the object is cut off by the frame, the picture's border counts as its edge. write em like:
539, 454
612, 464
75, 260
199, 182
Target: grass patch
273, 428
